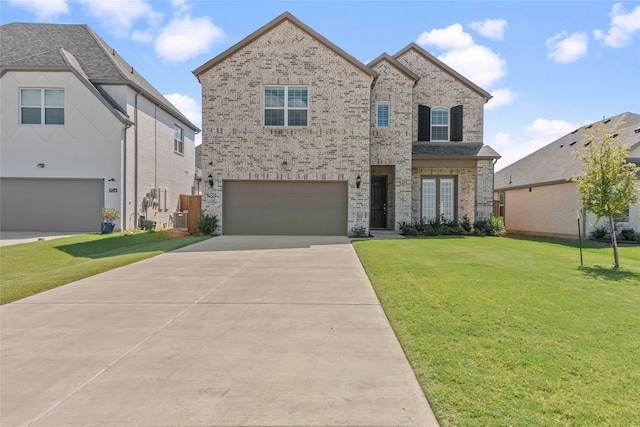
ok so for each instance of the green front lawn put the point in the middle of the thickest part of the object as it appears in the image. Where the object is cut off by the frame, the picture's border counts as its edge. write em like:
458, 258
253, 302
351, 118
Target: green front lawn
30, 268
513, 332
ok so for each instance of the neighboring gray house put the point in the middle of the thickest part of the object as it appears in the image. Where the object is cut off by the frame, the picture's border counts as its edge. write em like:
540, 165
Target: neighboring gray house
82, 130
536, 195
301, 138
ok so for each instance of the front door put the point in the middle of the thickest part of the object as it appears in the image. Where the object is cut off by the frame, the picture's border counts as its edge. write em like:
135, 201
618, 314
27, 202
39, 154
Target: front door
378, 212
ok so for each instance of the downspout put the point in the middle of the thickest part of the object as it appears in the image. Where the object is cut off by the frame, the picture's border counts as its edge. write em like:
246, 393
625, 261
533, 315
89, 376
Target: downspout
135, 161
155, 148
124, 178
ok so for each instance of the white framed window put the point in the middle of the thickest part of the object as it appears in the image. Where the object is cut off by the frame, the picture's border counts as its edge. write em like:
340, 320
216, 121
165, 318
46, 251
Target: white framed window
439, 124
439, 198
286, 106
382, 114
178, 139
41, 106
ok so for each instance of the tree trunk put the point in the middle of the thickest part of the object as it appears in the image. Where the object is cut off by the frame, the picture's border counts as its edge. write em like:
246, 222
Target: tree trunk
614, 242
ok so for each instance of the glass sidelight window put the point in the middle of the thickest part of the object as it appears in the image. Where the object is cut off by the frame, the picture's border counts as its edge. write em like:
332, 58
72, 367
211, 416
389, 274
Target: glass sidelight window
439, 195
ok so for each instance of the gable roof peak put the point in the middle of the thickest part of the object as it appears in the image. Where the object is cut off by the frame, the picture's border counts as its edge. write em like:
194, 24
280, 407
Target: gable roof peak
286, 16
386, 57
428, 56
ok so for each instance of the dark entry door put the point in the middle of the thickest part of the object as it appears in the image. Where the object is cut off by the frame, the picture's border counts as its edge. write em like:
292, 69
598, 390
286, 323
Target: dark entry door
378, 212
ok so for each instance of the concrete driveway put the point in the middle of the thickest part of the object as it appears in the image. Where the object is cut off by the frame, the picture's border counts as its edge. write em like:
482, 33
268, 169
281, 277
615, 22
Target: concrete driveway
233, 331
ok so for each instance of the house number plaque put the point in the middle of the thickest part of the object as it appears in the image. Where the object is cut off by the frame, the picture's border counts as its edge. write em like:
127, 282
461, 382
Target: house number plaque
113, 190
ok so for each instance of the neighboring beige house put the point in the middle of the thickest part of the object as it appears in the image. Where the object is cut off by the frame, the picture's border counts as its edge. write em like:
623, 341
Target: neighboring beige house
536, 195
301, 138
82, 130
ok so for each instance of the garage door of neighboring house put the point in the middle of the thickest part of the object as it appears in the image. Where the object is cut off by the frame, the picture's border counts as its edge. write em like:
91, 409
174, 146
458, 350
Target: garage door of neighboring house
51, 204
285, 208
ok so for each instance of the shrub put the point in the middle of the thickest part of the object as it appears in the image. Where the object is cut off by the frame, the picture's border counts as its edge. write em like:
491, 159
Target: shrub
466, 224
497, 227
629, 235
600, 232
207, 224
359, 232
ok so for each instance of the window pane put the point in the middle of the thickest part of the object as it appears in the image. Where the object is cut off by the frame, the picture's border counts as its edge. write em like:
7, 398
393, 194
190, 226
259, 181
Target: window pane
297, 97
53, 98
446, 199
439, 116
297, 117
383, 114
54, 116
177, 132
274, 117
429, 199
274, 97
30, 97
30, 116
439, 133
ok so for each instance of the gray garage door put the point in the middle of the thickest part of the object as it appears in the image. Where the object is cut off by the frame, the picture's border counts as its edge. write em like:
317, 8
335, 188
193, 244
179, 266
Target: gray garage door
51, 204
285, 208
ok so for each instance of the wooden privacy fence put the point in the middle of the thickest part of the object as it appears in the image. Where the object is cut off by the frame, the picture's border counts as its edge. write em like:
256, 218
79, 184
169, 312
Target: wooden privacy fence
192, 205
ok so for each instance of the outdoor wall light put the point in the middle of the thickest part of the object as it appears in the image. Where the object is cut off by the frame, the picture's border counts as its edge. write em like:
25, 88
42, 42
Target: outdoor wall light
40, 165
210, 180
358, 181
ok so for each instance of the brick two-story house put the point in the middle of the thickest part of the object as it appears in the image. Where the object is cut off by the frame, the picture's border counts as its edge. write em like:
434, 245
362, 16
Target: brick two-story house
299, 137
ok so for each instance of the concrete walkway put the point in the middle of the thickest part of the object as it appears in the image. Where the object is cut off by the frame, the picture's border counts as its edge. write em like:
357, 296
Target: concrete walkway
233, 331
8, 238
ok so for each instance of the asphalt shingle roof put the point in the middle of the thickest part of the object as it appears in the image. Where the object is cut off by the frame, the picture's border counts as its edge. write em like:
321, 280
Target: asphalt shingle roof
556, 161
33, 46
454, 151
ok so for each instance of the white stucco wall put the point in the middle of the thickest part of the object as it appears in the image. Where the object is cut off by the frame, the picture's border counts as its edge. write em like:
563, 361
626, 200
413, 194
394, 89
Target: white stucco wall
158, 165
87, 146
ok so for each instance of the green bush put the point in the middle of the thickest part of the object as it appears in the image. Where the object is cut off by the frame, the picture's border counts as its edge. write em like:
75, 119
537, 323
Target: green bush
207, 224
600, 232
359, 232
466, 224
629, 235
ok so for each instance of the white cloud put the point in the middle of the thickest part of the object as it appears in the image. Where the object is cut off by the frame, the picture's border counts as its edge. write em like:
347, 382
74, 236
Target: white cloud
565, 48
186, 37
187, 106
539, 133
451, 38
190, 108
143, 36
44, 10
478, 63
120, 15
500, 97
491, 28
623, 25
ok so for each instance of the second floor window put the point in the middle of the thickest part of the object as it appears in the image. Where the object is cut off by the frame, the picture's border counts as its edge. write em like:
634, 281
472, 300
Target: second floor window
439, 124
42, 106
286, 106
382, 114
178, 139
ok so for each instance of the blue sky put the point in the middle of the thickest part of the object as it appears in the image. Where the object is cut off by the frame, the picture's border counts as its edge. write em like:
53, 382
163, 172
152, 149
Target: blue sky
551, 66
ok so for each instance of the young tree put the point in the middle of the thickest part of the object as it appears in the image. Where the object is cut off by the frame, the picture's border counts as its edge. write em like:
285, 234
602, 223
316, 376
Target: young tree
606, 186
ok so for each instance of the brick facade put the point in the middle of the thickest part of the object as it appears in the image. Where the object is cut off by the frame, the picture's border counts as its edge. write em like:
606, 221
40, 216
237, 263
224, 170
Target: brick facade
341, 140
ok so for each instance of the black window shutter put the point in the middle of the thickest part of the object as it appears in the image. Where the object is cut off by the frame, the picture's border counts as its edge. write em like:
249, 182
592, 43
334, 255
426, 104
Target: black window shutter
456, 123
424, 122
